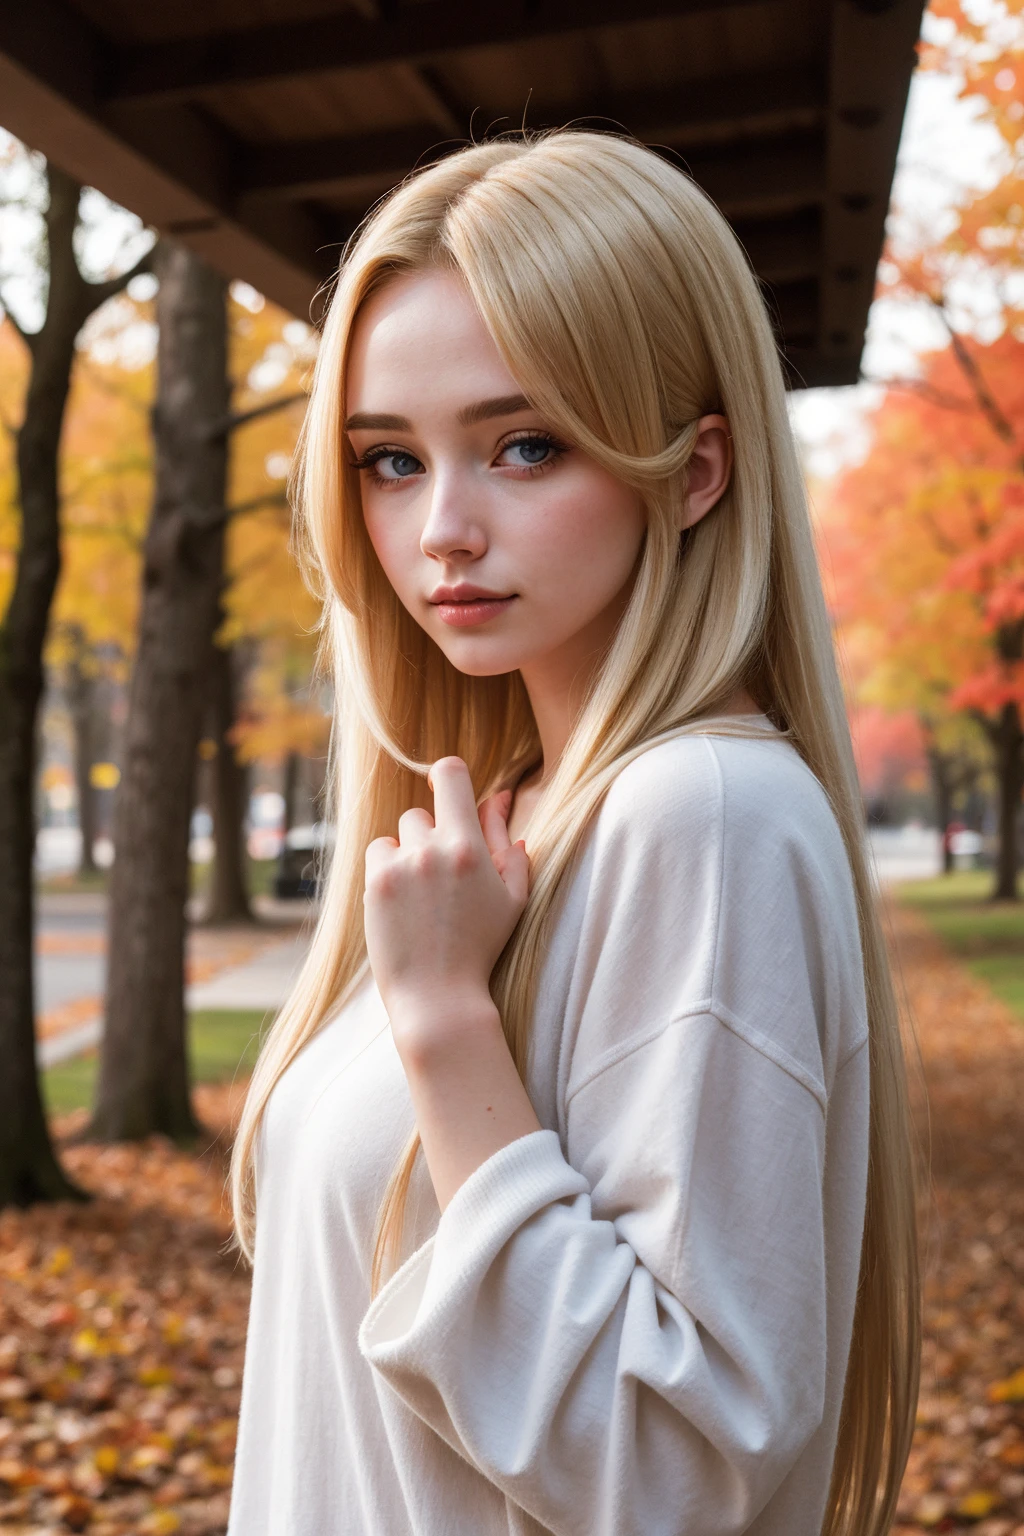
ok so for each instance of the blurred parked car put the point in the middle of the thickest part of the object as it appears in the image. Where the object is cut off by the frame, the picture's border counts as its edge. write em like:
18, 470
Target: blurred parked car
200, 837
966, 847
265, 821
301, 860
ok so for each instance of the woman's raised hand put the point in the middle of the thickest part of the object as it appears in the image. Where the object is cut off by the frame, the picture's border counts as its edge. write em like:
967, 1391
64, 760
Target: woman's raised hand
440, 903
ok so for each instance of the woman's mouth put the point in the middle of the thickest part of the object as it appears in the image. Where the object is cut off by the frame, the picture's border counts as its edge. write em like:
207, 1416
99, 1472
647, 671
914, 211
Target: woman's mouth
472, 610
463, 609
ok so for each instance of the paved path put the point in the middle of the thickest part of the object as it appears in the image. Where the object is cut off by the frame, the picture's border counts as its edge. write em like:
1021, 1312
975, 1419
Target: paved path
253, 966
248, 966
905, 853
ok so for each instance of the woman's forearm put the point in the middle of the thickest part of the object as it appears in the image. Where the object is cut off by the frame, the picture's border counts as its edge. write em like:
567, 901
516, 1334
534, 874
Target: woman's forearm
468, 1098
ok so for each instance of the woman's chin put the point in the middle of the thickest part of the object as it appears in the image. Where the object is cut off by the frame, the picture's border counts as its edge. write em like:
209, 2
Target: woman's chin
477, 658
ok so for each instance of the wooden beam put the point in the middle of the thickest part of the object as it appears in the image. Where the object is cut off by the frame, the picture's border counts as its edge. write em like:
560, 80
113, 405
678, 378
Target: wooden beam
414, 34
171, 167
872, 56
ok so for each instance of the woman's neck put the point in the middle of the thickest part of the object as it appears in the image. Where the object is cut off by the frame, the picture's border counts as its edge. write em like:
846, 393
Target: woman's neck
554, 719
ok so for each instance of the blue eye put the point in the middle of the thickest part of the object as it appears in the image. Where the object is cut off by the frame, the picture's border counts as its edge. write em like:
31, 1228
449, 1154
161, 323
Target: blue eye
529, 452
396, 466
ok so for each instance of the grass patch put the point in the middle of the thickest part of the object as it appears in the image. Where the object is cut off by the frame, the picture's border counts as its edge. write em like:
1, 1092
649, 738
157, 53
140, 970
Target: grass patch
97, 880
69, 1085
260, 875
988, 936
221, 1042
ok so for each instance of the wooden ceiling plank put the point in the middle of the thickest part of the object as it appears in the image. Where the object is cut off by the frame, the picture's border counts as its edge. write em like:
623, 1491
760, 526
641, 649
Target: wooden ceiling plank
437, 104
56, 44
306, 167
785, 249
761, 177
313, 167
416, 34
747, 180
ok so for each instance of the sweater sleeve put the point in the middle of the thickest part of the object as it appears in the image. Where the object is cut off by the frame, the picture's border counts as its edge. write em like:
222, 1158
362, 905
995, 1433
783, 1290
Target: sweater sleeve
624, 1327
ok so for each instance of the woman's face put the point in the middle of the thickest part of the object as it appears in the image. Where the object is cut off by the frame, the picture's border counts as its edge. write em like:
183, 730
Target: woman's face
511, 548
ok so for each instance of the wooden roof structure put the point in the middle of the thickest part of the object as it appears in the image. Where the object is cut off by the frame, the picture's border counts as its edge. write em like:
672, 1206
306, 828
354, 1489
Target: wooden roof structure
260, 131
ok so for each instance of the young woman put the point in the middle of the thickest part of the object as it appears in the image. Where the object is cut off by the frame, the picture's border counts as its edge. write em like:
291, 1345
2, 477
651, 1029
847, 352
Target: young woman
575, 1172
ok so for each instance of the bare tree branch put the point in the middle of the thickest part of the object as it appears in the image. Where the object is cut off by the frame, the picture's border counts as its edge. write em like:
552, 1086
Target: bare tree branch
239, 419
99, 293
928, 392
220, 515
997, 419
257, 503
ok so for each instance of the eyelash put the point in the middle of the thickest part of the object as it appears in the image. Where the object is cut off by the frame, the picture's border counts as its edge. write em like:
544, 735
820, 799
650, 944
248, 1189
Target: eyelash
373, 456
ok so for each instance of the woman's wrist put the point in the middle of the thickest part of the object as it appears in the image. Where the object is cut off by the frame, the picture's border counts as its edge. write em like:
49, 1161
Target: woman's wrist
467, 1096
428, 1029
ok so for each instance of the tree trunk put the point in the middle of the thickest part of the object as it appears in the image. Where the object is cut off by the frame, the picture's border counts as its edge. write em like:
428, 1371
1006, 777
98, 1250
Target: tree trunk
1008, 740
29, 1170
290, 789
228, 900
81, 694
144, 1077
942, 785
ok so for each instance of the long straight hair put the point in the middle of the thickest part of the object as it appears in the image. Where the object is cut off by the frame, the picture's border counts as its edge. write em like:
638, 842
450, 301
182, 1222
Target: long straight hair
625, 309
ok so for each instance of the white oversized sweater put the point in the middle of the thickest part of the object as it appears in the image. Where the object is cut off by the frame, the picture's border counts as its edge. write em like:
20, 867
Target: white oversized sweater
635, 1321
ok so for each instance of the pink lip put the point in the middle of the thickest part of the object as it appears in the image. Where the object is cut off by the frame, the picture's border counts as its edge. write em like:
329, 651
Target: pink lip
463, 606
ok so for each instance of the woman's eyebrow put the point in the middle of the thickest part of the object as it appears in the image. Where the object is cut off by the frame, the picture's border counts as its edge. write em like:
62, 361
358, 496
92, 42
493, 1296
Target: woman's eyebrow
483, 410
376, 422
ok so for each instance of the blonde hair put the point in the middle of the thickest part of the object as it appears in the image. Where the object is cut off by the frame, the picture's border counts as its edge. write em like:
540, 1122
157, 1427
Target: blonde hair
625, 309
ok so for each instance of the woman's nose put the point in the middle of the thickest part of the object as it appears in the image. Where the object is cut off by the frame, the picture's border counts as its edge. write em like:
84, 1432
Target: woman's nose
452, 527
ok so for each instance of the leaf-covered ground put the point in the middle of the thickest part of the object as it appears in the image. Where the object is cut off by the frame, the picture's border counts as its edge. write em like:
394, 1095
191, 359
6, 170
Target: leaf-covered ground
967, 1467
122, 1325
122, 1322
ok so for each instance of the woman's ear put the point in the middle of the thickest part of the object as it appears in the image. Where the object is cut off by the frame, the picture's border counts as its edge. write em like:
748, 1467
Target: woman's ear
709, 469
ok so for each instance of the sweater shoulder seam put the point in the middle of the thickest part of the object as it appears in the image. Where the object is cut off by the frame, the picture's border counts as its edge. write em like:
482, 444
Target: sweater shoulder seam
708, 1008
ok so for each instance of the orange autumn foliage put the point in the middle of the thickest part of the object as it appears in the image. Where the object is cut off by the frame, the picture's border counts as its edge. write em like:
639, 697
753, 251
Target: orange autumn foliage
106, 488
926, 542
985, 47
927, 535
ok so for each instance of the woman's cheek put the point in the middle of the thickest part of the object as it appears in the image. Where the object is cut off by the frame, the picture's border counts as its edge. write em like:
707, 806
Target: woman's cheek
395, 543
583, 547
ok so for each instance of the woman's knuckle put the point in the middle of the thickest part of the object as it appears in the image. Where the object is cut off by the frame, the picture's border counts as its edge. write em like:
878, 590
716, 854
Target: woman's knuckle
464, 856
424, 860
380, 883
